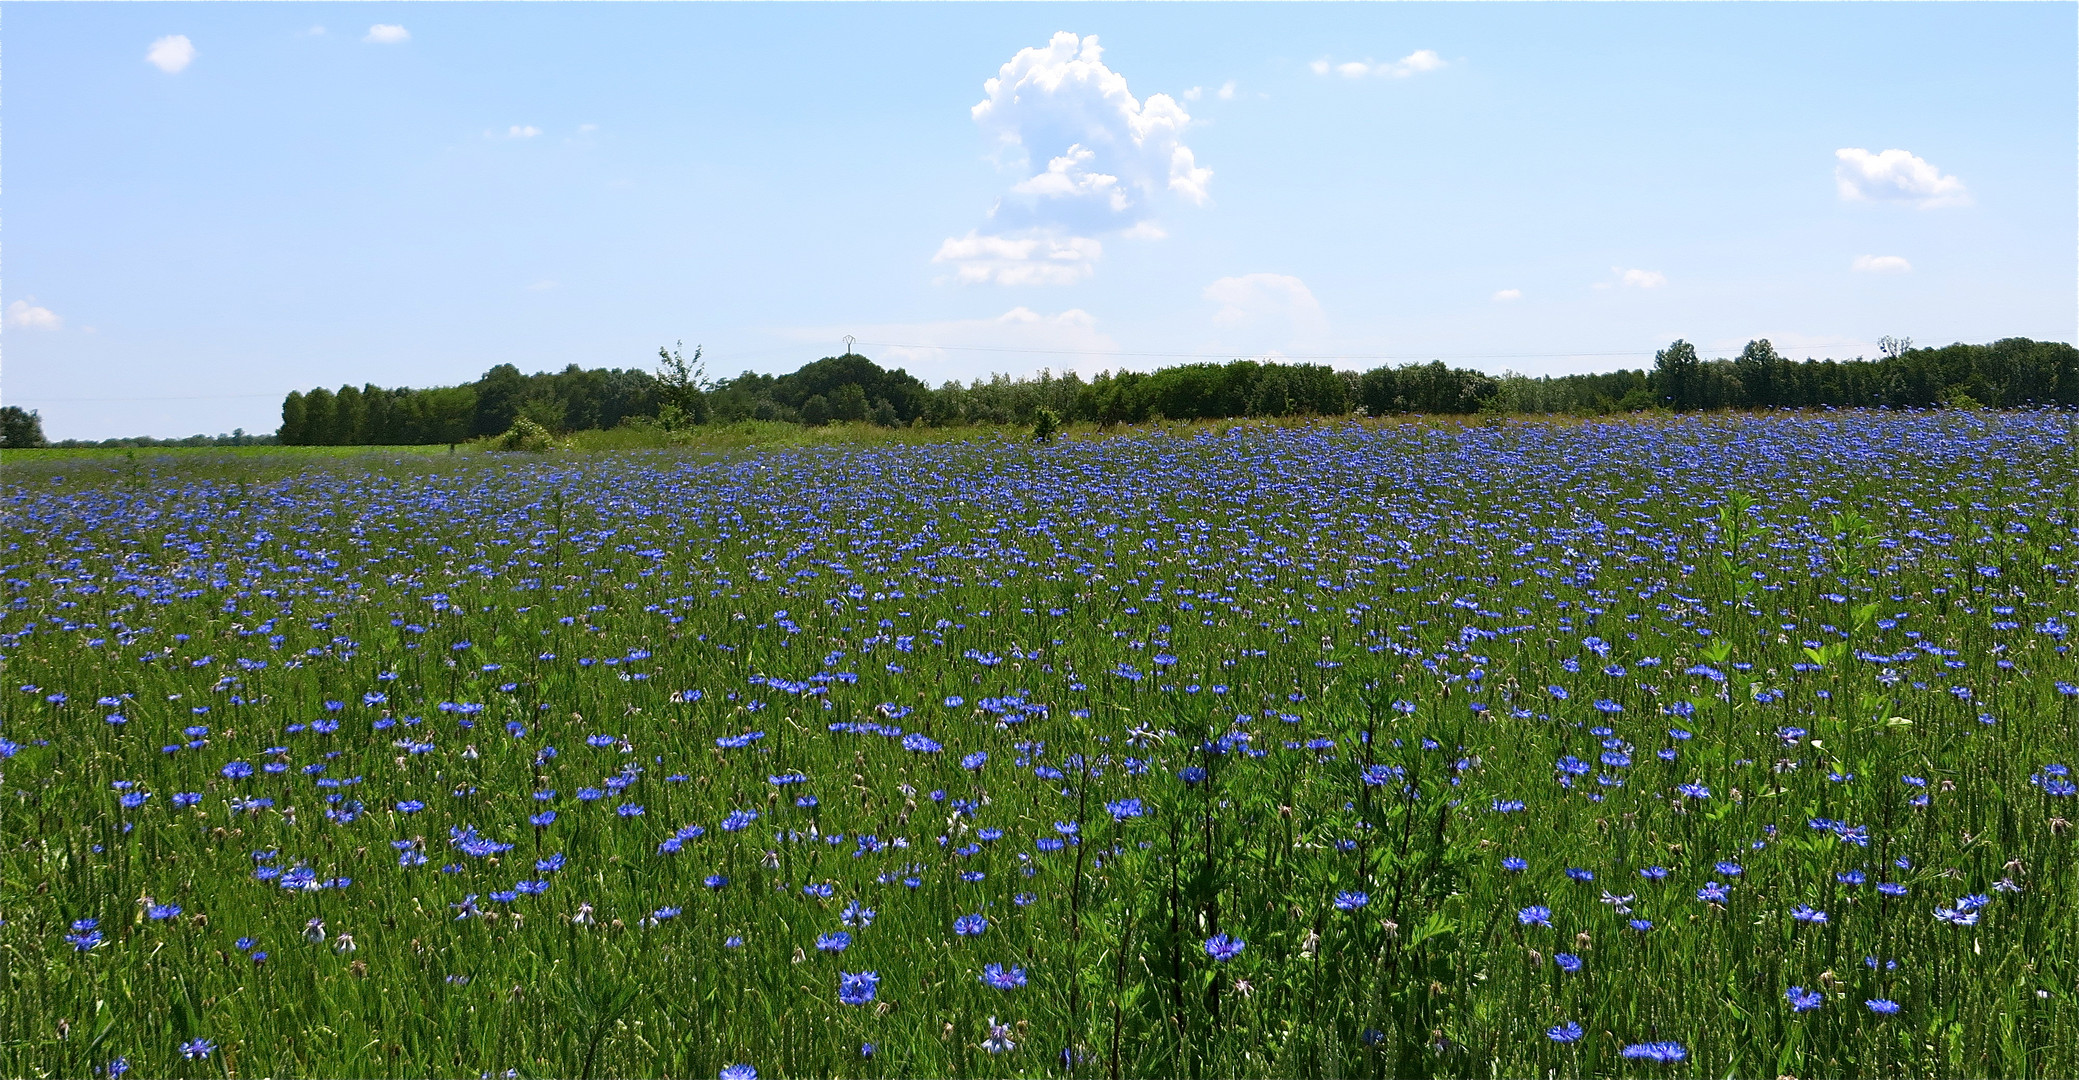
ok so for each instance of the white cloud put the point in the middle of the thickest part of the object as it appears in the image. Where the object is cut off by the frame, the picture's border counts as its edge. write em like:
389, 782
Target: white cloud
1895, 176
1030, 257
315, 31
387, 34
520, 131
587, 129
1507, 295
1109, 158
1227, 90
1640, 279
1276, 303
1146, 230
1882, 264
171, 54
26, 314
1193, 94
1415, 63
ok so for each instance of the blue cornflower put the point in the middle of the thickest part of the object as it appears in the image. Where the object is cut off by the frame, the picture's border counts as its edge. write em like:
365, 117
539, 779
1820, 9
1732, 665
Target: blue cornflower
1579, 874
1125, 808
1641, 925
1224, 947
1803, 1000
162, 911
1694, 791
1191, 774
1351, 901
1664, 1052
1957, 916
410, 806
1850, 877
84, 936
970, 925
1565, 1033
1729, 869
1654, 873
975, 761
857, 989
1567, 961
1535, 915
1805, 913
739, 1071
1712, 893
1380, 775
1883, 1006
714, 881
833, 942
1003, 978
196, 1048
1515, 865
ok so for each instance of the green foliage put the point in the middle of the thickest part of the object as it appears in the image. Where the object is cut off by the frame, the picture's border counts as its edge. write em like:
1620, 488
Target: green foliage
20, 429
527, 435
2012, 373
1046, 425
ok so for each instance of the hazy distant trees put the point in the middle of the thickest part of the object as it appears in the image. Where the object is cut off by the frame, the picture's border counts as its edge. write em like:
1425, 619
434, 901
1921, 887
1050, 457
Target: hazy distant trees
2011, 373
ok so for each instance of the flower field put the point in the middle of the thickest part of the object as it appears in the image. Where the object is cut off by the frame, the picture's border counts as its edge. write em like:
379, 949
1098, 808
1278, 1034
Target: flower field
1719, 746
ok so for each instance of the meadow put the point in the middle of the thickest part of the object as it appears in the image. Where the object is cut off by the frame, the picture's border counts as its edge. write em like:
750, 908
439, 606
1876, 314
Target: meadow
1714, 745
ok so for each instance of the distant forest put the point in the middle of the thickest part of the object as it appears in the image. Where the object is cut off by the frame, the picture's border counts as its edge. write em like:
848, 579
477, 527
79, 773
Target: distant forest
2013, 373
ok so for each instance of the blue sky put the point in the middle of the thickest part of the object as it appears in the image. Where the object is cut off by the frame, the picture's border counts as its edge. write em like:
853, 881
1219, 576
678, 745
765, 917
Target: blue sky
208, 205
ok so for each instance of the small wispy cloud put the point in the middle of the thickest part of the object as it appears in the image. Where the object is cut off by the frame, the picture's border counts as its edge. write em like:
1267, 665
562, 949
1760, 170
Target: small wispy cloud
1895, 176
1415, 63
387, 34
1032, 257
171, 54
29, 316
1881, 264
1508, 295
522, 131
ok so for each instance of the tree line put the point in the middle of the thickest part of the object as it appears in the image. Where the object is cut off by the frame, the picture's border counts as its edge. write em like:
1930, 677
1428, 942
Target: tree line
2012, 373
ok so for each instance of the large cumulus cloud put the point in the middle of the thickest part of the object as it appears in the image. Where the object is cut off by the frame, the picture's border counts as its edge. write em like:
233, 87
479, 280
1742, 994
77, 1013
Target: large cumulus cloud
1093, 160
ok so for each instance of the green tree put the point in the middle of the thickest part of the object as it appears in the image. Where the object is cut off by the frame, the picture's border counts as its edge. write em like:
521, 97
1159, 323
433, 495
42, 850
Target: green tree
292, 430
20, 429
1678, 376
848, 403
349, 417
318, 418
681, 387
815, 412
498, 396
